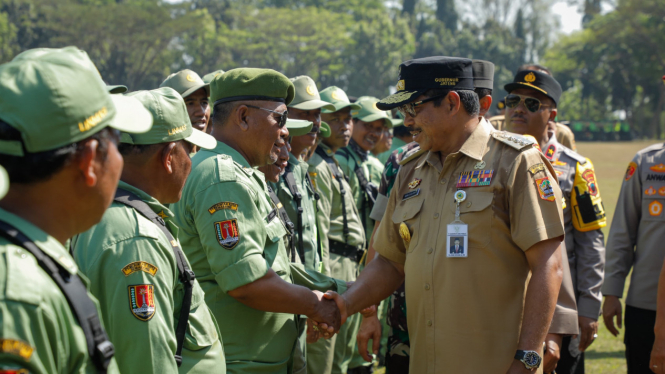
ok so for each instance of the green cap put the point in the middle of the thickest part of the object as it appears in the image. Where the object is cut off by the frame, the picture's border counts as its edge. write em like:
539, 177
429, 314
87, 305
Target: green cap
185, 82
298, 127
337, 97
56, 97
325, 130
171, 121
210, 76
4, 182
307, 95
120, 89
368, 112
246, 84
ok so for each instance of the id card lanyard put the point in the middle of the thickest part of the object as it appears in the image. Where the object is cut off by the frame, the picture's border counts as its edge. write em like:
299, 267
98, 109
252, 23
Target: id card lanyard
458, 231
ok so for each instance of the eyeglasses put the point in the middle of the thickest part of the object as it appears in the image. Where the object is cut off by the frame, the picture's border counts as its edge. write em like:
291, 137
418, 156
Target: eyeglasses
410, 108
530, 103
282, 115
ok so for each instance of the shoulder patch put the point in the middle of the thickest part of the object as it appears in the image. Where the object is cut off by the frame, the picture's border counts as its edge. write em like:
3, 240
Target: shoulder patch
632, 168
225, 168
227, 233
17, 348
222, 206
545, 189
143, 266
587, 207
536, 168
142, 301
411, 155
516, 141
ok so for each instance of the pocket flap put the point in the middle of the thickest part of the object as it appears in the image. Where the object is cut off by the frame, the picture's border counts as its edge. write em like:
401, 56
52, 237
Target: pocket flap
407, 211
474, 202
275, 230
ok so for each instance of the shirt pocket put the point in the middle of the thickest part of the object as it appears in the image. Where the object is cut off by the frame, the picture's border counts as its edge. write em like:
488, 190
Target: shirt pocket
653, 202
409, 213
275, 232
475, 211
201, 329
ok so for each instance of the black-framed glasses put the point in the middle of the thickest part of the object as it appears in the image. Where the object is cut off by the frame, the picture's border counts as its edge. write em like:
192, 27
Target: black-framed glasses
410, 108
530, 103
282, 115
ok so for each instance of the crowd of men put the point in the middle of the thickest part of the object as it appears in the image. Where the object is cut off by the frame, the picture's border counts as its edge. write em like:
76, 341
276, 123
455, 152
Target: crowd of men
245, 222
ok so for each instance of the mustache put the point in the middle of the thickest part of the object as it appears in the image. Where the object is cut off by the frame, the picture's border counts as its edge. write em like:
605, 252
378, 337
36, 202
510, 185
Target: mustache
516, 115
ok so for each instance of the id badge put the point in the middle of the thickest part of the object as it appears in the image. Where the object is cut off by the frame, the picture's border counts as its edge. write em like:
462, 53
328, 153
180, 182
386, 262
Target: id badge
458, 240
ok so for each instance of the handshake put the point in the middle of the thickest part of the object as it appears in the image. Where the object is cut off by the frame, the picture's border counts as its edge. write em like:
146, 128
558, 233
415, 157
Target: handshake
327, 316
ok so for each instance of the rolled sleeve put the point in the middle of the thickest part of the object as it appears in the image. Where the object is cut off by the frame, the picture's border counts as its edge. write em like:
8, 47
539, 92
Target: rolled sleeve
242, 272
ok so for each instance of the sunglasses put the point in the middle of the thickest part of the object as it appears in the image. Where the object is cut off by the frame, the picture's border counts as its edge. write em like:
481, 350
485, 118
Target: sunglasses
410, 108
530, 103
282, 115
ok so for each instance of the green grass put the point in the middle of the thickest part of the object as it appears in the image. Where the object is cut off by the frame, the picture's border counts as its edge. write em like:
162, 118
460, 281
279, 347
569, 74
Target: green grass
610, 159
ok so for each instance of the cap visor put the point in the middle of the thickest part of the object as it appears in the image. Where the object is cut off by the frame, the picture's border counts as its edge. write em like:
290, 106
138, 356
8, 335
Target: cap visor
201, 139
341, 105
397, 122
130, 115
4, 182
398, 99
194, 89
116, 89
377, 116
298, 127
313, 104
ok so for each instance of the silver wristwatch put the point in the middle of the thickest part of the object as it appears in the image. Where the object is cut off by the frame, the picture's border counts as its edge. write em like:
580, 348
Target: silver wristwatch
530, 359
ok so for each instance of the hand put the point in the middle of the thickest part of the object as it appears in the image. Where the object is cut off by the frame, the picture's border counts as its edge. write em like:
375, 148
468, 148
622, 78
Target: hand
341, 304
326, 314
657, 362
518, 368
313, 334
552, 352
588, 329
611, 308
370, 328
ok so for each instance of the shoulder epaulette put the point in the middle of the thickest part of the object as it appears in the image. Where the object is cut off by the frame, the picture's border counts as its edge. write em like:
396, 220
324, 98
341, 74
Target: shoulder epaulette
411, 155
652, 148
226, 168
516, 141
574, 155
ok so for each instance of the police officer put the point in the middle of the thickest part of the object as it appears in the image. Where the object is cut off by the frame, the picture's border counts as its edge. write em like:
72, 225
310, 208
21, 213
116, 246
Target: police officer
196, 94
635, 242
231, 231
531, 106
475, 175
137, 270
64, 166
340, 224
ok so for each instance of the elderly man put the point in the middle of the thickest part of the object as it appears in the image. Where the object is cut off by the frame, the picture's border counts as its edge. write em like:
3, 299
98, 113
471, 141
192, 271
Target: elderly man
231, 231
64, 167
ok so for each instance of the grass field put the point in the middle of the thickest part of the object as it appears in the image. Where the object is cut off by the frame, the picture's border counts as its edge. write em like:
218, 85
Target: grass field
610, 159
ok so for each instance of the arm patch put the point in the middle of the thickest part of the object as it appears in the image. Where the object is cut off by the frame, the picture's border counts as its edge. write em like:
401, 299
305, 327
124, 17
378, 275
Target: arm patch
588, 209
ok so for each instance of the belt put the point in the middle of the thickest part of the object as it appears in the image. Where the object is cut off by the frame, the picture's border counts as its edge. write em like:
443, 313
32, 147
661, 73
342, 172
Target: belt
354, 252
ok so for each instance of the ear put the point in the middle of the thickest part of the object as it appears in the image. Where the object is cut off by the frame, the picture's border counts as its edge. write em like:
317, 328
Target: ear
486, 103
167, 157
241, 113
553, 113
88, 162
453, 101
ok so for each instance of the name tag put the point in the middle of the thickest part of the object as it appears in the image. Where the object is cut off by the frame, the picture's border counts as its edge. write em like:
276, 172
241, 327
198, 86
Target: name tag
411, 194
271, 215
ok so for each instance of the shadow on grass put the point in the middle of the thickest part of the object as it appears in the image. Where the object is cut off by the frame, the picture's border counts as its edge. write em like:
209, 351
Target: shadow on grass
603, 355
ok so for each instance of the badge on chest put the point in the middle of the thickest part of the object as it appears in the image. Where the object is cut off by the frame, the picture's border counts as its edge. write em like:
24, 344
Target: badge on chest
457, 232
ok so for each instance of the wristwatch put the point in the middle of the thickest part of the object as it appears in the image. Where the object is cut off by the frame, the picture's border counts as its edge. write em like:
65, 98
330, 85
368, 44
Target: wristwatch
530, 359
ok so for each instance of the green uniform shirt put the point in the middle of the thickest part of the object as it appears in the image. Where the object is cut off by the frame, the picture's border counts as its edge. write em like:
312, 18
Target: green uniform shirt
232, 234
350, 157
39, 330
308, 205
126, 256
397, 143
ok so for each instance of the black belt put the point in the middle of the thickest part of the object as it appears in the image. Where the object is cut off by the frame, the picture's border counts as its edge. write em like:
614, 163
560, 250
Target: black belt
354, 252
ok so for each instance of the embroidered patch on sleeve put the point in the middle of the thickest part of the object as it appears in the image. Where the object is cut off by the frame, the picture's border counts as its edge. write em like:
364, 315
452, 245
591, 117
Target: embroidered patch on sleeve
536, 168
545, 189
227, 233
142, 301
135, 266
221, 206
632, 167
16, 348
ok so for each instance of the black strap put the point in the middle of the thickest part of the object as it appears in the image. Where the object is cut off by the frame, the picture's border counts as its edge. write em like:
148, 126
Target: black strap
342, 249
336, 173
100, 349
370, 191
187, 276
285, 218
319, 248
297, 197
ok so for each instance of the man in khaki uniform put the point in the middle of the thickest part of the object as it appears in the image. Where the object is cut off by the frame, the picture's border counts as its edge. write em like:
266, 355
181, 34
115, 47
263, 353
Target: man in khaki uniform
494, 191
340, 224
636, 242
64, 166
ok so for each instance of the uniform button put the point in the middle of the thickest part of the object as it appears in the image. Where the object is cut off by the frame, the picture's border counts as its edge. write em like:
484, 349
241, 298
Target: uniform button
429, 322
436, 215
429, 251
443, 181
427, 286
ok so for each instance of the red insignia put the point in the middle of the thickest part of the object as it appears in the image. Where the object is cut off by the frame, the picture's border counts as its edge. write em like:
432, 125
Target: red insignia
227, 233
660, 168
661, 191
142, 301
590, 179
545, 189
650, 191
632, 167
550, 152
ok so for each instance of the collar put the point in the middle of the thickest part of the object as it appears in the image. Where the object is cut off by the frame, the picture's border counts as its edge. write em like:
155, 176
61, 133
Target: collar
224, 149
48, 244
474, 147
363, 154
326, 149
153, 203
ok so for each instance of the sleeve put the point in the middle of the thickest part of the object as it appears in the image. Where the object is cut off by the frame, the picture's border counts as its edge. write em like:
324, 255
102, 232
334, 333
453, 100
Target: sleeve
233, 239
387, 240
134, 284
379, 207
534, 200
322, 179
564, 320
623, 232
314, 280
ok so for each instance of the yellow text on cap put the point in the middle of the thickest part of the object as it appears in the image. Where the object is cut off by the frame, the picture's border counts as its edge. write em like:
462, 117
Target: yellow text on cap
93, 120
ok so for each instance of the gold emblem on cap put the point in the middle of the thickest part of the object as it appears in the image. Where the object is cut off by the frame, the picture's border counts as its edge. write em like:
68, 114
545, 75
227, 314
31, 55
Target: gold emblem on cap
374, 105
336, 95
405, 233
190, 78
310, 90
531, 77
400, 85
